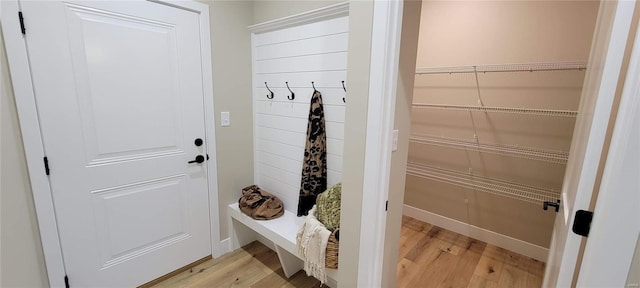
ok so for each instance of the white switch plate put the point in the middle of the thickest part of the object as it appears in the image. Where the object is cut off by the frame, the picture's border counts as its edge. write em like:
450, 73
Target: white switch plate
225, 119
395, 141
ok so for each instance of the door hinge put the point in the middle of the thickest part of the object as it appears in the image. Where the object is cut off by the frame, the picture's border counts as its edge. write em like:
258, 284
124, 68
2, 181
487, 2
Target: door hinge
582, 222
46, 165
66, 281
21, 22
386, 206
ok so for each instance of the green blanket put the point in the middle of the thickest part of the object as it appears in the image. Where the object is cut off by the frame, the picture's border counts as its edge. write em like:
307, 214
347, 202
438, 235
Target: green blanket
328, 207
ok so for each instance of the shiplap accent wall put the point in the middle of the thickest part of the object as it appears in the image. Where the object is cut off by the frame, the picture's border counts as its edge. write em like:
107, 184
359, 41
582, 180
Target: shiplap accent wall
298, 55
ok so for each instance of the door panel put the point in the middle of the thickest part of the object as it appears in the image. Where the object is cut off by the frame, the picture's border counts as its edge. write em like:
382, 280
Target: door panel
104, 43
139, 217
119, 92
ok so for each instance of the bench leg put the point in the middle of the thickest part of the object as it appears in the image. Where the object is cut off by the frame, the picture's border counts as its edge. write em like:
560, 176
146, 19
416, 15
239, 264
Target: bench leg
241, 235
290, 263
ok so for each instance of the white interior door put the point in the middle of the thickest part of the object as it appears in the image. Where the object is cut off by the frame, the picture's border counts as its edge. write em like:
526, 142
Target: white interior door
119, 91
601, 82
616, 218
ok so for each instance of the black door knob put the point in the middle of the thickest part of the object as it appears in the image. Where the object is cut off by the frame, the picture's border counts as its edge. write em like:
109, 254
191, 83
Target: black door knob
198, 142
199, 159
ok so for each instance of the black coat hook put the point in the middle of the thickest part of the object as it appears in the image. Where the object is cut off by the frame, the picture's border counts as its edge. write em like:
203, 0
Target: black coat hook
345, 91
314, 87
293, 95
270, 95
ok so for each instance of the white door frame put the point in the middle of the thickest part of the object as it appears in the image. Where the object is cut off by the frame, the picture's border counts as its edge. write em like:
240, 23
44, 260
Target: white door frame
383, 81
33, 145
616, 217
580, 175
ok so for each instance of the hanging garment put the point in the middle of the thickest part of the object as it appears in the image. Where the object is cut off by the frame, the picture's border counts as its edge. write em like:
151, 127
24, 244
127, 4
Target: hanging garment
311, 242
314, 166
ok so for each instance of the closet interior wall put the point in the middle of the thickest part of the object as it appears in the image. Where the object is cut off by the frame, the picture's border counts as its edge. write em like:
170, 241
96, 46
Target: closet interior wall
297, 56
455, 143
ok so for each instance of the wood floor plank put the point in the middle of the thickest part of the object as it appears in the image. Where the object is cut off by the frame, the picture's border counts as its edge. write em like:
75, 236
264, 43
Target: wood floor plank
488, 267
415, 224
517, 260
513, 277
188, 278
301, 279
447, 236
425, 239
241, 270
275, 279
408, 239
434, 275
269, 260
480, 282
534, 281
407, 270
495, 252
461, 274
431, 252
430, 256
536, 268
227, 274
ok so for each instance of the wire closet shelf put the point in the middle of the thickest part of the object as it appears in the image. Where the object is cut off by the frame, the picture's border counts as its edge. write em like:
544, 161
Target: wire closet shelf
516, 67
559, 157
503, 188
509, 110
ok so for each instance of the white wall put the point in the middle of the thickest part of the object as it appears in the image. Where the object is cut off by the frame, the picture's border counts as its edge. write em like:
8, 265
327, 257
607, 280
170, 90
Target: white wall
297, 55
22, 262
231, 66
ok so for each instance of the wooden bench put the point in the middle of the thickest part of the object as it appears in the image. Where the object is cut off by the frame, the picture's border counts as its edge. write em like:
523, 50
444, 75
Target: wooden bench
278, 234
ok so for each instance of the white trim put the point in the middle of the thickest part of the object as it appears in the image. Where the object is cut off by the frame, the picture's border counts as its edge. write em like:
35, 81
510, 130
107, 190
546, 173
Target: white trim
225, 246
385, 46
584, 171
192, 6
34, 149
320, 14
254, 93
210, 122
616, 223
512, 244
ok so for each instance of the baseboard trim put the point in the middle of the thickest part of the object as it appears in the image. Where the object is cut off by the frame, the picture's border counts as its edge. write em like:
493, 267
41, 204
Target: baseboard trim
225, 246
512, 244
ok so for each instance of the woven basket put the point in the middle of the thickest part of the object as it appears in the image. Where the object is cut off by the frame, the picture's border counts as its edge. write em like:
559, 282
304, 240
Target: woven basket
331, 259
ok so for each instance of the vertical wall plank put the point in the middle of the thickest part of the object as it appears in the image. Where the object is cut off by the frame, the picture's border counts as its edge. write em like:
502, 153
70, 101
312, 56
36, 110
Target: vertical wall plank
298, 55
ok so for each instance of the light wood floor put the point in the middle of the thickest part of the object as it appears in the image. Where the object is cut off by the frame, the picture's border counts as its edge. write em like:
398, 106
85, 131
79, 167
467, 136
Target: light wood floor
434, 257
429, 257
